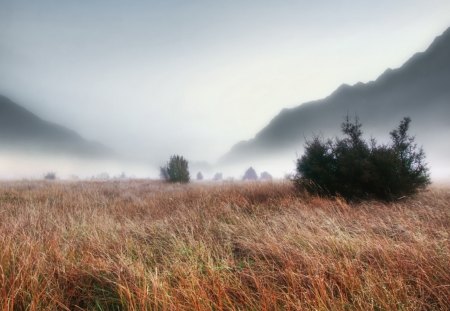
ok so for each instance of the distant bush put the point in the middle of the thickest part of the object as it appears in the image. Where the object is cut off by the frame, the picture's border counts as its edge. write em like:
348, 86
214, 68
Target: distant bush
176, 170
50, 176
250, 174
355, 169
265, 176
218, 177
199, 176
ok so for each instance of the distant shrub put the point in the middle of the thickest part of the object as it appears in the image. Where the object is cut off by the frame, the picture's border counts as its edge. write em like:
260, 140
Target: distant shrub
218, 177
176, 170
265, 176
199, 176
356, 169
250, 174
50, 176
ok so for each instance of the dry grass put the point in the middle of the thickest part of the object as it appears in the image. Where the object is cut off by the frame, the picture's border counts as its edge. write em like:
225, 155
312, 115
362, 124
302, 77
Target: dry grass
142, 245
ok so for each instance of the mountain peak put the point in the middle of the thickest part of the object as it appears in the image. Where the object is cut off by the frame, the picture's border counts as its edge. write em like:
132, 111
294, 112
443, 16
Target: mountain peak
420, 88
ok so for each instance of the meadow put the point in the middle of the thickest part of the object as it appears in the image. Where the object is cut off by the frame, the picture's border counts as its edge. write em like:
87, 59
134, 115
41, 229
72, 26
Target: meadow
146, 245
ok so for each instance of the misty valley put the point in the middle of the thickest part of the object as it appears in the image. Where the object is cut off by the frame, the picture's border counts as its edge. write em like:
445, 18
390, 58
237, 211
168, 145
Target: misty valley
200, 156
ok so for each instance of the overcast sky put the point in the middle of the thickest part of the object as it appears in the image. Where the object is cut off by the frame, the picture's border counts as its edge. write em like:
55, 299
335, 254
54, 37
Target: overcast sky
194, 77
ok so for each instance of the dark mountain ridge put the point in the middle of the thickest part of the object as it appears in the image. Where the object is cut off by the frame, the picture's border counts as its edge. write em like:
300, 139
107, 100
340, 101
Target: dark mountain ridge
419, 89
21, 130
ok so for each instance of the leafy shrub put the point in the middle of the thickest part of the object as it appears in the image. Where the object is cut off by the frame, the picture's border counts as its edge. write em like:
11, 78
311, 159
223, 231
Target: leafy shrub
250, 174
355, 169
176, 170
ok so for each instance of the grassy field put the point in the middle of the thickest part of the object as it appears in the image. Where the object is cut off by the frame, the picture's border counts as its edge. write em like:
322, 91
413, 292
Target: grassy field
142, 245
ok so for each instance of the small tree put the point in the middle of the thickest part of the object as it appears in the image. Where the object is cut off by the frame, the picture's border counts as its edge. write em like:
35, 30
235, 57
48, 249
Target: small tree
355, 169
199, 176
218, 177
411, 170
176, 170
265, 176
250, 174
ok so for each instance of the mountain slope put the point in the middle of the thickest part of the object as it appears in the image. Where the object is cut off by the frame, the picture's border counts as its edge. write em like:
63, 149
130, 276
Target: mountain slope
21, 130
419, 89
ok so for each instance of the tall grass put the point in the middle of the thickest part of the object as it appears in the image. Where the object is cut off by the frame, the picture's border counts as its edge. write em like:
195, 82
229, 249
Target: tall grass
138, 245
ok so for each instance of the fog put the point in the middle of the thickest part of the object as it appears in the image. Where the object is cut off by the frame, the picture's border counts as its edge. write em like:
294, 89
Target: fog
152, 78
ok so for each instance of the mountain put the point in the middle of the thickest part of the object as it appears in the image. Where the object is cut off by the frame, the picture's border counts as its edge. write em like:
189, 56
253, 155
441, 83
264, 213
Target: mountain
419, 89
21, 130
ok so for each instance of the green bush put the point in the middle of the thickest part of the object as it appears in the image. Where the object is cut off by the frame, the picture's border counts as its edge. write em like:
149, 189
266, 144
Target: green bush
355, 169
176, 170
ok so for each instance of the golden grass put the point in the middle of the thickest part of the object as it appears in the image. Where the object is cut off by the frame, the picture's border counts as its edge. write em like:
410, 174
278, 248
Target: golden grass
141, 245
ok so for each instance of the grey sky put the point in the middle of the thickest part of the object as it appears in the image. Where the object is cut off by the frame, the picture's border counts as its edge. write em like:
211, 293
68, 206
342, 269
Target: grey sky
194, 77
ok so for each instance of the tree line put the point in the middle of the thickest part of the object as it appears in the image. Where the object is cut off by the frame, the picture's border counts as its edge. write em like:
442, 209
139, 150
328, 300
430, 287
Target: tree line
350, 167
